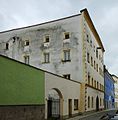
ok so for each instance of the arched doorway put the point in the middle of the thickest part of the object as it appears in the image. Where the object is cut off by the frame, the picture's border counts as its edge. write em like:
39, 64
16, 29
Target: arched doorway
55, 104
97, 103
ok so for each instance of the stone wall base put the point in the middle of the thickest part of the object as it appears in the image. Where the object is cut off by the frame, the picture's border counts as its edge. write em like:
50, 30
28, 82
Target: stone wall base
33, 112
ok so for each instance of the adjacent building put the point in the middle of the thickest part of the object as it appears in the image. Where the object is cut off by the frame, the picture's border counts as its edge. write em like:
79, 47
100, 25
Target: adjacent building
69, 47
29, 93
109, 90
116, 90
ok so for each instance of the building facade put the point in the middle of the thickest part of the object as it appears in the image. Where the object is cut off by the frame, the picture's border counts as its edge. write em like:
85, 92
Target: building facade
70, 47
116, 90
109, 90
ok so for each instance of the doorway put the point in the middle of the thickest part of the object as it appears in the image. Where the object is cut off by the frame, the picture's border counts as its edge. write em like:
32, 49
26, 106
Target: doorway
70, 107
97, 103
54, 104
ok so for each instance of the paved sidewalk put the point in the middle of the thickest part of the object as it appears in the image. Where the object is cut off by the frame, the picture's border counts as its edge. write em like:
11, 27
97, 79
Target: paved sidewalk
93, 115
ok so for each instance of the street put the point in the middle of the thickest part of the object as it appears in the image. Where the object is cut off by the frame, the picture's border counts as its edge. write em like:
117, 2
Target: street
115, 118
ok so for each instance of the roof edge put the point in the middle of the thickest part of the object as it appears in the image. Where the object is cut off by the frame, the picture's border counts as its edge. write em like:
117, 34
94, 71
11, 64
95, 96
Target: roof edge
51, 21
92, 27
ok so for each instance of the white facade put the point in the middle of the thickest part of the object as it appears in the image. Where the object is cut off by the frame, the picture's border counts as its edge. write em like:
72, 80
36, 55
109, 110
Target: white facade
61, 47
67, 90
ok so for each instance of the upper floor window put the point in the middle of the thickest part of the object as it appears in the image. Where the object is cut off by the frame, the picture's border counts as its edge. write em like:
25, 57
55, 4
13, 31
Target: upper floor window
47, 38
88, 57
89, 78
66, 55
66, 35
94, 64
97, 53
26, 43
67, 76
26, 59
7, 46
92, 82
87, 36
46, 57
91, 43
97, 85
92, 61
97, 67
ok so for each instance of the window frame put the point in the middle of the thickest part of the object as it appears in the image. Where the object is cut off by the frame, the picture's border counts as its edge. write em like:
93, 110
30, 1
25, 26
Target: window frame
47, 39
25, 43
26, 59
66, 55
76, 104
47, 57
66, 35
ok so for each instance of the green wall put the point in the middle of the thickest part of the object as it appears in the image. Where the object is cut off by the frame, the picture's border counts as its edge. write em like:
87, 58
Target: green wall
20, 84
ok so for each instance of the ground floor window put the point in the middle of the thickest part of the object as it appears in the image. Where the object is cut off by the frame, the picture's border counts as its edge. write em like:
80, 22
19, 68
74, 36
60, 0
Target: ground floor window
75, 104
88, 101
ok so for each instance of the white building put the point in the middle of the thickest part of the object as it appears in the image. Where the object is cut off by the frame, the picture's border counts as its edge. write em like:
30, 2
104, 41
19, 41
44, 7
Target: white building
70, 47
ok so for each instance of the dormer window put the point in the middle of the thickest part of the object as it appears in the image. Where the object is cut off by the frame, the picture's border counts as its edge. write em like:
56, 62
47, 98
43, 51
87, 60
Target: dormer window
66, 35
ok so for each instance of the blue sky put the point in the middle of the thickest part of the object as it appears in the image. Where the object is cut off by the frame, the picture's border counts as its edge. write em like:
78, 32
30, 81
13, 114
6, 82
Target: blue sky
19, 13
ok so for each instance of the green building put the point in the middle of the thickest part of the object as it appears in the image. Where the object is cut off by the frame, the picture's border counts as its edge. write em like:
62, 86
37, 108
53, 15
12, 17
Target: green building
21, 90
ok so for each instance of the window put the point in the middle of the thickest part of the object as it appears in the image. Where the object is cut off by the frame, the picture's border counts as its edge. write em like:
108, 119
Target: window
88, 57
99, 57
94, 48
75, 104
92, 61
88, 102
87, 36
66, 35
100, 101
95, 83
97, 53
47, 38
89, 78
26, 59
46, 57
67, 76
97, 67
7, 46
100, 86
26, 43
92, 82
94, 64
91, 43
92, 103
66, 55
